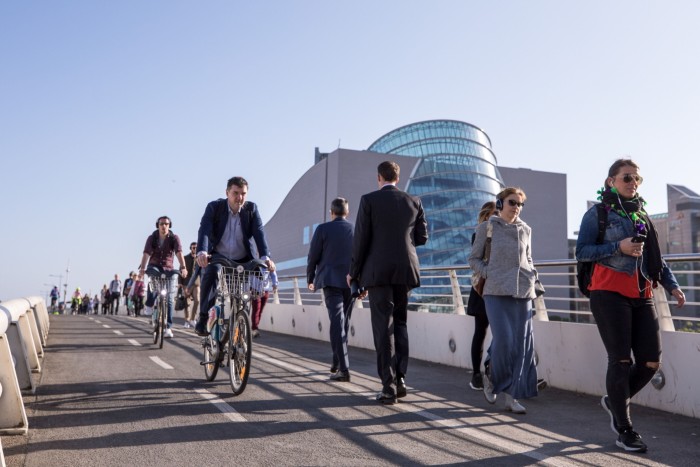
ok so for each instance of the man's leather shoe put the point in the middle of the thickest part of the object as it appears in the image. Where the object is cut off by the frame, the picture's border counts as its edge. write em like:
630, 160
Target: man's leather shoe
400, 387
201, 328
341, 376
386, 399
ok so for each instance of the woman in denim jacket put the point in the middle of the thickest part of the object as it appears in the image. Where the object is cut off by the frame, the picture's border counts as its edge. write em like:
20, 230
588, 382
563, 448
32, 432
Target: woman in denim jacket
628, 265
508, 293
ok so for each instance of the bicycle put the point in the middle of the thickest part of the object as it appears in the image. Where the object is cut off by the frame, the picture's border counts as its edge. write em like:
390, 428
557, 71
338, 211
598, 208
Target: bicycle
231, 338
159, 285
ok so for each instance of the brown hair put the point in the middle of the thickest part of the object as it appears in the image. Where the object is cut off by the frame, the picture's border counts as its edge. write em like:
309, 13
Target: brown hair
487, 211
506, 192
389, 170
616, 166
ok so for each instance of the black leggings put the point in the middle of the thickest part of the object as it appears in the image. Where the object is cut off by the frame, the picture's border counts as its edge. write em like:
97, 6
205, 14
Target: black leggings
481, 324
629, 328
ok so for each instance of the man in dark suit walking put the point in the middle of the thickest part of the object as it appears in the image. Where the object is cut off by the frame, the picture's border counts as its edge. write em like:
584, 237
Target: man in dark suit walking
228, 228
326, 268
390, 224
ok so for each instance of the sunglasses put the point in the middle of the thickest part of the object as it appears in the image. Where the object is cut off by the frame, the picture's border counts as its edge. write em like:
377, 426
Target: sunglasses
514, 203
163, 223
629, 177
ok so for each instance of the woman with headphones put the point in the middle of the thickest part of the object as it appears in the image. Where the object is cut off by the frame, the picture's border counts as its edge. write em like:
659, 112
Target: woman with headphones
508, 294
160, 248
628, 265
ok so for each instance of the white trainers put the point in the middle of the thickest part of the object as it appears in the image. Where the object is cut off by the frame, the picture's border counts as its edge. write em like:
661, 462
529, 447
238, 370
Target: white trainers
168, 333
512, 405
148, 311
186, 325
193, 323
488, 389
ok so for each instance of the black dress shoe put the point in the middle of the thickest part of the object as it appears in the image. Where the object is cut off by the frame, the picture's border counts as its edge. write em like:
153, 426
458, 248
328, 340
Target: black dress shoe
386, 399
201, 328
400, 387
341, 376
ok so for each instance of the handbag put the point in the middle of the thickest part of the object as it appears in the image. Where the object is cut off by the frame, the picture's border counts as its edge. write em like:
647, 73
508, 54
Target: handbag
539, 288
478, 281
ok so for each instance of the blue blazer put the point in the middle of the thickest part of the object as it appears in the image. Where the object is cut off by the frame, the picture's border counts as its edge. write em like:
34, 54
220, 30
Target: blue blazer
329, 254
213, 225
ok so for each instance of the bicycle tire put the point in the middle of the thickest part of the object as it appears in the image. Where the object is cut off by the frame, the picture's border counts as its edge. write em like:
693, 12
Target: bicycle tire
154, 329
161, 322
240, 350
211, 369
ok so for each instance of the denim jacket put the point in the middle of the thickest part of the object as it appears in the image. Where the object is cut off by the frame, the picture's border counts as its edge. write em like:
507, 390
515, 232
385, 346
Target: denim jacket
608, 253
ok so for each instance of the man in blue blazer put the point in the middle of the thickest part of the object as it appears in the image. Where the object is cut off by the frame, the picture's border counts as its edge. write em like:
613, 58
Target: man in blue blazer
326, 268
390, 225
228, 228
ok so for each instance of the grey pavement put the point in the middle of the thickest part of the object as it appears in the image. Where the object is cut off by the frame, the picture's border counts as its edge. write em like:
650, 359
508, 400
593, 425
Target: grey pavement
108, 397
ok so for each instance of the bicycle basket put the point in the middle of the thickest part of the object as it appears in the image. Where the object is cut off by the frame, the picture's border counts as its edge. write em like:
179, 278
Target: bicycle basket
236, 283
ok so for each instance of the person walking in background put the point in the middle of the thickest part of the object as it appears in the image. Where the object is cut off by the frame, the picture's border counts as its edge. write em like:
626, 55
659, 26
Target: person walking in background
508, 294
327, 266
628, 266
160, 249
191, 292
138, 293
106, 296
257, 304
128, 283
477, 309
228, 229
390, 225
115, 289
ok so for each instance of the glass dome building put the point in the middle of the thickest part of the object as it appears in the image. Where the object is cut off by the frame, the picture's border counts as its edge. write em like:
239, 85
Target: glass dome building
456, 175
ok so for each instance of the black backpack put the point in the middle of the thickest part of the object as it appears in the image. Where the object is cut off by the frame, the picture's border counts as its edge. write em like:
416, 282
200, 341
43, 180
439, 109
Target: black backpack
584, 269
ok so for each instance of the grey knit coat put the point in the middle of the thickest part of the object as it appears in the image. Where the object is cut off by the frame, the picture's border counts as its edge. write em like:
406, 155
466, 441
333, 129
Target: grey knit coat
509, 270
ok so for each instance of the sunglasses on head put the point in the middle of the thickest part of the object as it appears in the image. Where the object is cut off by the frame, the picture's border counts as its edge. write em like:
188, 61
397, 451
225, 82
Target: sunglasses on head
514, 203
629, 177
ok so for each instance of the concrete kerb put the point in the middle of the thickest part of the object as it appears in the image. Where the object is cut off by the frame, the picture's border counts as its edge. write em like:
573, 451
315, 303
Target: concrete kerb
21, 342
13, 417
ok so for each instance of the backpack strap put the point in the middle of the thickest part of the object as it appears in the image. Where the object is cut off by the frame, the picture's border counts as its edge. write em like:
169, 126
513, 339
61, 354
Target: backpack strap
602, 221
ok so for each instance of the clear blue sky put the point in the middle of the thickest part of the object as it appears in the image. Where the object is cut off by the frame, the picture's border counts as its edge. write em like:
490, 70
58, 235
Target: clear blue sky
113, 113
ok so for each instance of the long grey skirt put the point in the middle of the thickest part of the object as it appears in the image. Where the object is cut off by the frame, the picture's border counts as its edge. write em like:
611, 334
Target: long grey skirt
512, 351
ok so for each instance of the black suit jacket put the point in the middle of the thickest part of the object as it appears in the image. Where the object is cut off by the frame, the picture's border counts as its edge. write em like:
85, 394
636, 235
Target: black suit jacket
213, 226
390, 224
328, 262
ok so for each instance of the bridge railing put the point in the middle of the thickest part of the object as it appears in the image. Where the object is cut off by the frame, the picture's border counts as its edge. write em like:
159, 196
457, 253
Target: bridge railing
447, 289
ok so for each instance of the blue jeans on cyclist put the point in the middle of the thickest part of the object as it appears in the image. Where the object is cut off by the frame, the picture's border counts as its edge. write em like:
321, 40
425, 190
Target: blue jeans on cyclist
172, 290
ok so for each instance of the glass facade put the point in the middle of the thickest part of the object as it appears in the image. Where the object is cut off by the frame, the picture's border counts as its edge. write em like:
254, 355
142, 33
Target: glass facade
457, 174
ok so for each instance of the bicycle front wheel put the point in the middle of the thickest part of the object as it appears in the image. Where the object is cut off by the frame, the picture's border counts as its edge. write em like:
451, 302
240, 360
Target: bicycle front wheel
240, 349
211, 358
154, 323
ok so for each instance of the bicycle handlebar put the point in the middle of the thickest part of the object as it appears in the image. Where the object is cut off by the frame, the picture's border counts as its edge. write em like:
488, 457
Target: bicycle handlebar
158, 272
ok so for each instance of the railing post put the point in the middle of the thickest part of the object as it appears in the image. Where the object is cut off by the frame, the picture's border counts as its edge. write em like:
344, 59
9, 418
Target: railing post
456, 293
297, 293
663, 310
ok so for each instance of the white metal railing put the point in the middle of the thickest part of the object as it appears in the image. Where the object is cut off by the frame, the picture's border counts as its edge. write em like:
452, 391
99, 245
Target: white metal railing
446, 289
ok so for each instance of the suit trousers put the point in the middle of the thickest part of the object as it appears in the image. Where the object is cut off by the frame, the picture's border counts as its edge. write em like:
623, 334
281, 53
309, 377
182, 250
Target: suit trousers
388, 306
337, 301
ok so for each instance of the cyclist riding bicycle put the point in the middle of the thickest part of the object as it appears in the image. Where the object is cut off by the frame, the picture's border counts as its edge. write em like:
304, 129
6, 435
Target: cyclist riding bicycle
54, 297
75, 301
160, 248
228, 229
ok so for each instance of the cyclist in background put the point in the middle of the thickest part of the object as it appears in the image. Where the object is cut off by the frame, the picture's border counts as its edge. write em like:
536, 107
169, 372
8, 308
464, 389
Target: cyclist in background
159, 250
54, 298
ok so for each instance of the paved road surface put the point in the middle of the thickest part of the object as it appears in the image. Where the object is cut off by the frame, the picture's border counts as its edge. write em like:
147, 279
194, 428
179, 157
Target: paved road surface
107, 397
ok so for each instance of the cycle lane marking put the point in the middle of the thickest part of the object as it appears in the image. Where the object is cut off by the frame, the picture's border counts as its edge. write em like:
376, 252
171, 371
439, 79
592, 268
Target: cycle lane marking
106, 326
220, 404
160, 363
134, 342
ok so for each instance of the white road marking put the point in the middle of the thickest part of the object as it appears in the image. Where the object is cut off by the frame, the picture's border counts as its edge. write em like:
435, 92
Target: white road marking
118, 333
161, 363
98, 321
134, 342
106, 326
219, 403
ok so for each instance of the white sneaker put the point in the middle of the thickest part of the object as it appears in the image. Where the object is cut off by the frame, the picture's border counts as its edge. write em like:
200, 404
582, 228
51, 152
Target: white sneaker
193, 322
168, 333
148, 311
512, 405
488, 390
186, 325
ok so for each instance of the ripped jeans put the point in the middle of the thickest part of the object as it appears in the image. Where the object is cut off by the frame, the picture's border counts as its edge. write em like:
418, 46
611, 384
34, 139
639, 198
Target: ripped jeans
629, 328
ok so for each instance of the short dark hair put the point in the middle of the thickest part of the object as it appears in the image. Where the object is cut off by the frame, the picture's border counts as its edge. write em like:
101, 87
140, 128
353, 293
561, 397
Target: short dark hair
193, 244
339, 207
389, 170
240, 182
